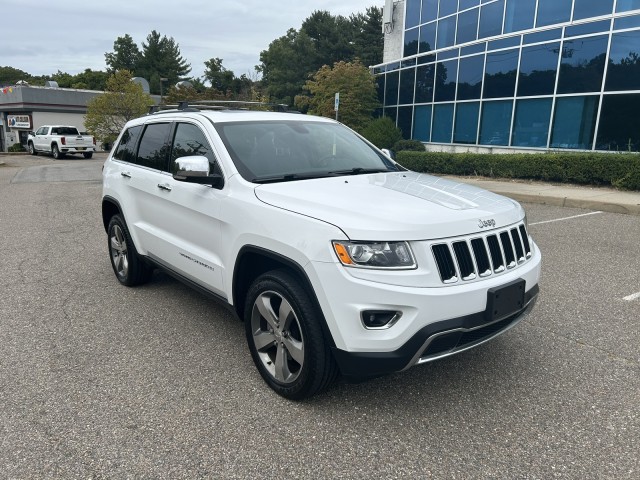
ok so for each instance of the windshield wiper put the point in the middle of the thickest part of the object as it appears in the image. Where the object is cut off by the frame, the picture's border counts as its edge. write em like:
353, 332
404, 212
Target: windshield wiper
289, 177
359, 171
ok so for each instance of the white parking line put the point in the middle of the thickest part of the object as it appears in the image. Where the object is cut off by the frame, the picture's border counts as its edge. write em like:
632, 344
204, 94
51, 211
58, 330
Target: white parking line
565, 218
632, 297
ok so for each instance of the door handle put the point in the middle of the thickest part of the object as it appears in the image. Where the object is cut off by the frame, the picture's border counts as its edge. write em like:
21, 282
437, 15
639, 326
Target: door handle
164, 186
125, 174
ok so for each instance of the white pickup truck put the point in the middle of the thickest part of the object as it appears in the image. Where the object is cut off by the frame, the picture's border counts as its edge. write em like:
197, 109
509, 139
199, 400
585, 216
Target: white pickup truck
59, 140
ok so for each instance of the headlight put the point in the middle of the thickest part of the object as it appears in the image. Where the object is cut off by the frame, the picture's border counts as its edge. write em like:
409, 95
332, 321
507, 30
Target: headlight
392, 255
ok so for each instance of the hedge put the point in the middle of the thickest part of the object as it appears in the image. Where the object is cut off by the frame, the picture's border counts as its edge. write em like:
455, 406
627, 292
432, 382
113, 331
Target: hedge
616, 170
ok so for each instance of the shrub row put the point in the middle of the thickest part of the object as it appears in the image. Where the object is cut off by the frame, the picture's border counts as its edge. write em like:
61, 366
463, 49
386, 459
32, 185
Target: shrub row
617, 170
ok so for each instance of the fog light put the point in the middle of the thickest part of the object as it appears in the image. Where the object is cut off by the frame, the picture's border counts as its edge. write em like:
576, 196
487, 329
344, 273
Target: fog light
380, 319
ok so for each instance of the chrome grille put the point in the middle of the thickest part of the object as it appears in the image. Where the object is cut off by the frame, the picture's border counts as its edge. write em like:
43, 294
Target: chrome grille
466, 259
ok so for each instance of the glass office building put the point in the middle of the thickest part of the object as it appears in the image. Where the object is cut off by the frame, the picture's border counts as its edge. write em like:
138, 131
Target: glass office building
559, 74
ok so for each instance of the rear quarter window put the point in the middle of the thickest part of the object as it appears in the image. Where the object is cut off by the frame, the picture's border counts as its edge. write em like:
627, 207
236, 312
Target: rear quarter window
126, 149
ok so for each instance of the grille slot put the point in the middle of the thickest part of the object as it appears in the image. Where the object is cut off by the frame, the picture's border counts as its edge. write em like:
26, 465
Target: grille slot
496, 254
480, 257
444, 260
509, 254
525, 241
515, 236
465, 262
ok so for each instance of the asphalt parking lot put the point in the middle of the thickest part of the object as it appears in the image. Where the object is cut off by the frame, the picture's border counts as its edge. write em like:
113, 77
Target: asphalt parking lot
102, 381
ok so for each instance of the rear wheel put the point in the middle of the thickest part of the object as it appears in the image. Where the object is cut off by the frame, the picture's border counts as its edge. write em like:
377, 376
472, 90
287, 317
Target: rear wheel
285, 337
32, 150
88, 155
55, 151
128, 266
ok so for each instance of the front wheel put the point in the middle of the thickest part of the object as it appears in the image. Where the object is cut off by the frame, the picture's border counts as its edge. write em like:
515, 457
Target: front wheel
128, 266
285, 337
32, 150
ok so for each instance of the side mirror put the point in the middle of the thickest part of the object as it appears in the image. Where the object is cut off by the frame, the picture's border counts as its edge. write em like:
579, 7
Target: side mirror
195, 169
389, 153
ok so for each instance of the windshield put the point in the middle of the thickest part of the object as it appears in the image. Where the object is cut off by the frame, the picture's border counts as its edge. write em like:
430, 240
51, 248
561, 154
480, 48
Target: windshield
269, 151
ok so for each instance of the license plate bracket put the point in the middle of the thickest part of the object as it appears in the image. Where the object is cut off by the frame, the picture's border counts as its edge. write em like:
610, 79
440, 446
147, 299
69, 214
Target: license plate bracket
505, 300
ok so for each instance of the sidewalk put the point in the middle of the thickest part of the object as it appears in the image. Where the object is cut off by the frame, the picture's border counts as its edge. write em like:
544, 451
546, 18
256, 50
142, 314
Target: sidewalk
592, 198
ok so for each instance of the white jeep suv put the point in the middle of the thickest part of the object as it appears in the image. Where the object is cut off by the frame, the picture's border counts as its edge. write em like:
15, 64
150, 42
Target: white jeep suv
336, 258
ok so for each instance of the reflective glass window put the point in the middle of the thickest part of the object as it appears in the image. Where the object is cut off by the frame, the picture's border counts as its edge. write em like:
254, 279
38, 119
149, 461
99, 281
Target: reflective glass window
412, 17
408, 62
407, 84
624, 62
626, 5
429, 10
446, 32
380, 88
520, 15
496, 122
618, 129
470, 77
574, 122
543, 36
531, 125
446, 73
632, 21
491, 16
587, 28
411, 41
424, 83
426, 59
405, 117
427, 37
447, 54
475, 48
582, 64
500, 74
126, 149
154, 147
447, 7
466, 127
504, 43
464, 4
589, 8
391, 88
538, 67
442, 123
553, 11
467, 26
422, 123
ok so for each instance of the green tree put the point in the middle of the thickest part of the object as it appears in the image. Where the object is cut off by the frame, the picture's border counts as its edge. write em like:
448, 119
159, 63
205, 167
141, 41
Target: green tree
368, 39
125, 55
219, 77
357, 88
382, 132
10, 75
161, 58
122, 101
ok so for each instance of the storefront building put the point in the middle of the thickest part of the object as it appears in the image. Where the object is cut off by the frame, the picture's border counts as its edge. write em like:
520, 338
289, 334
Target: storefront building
525, 74
24, 108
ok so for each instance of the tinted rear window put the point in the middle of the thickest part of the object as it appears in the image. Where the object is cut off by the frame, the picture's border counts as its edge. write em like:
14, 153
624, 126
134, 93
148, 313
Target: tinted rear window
154, 148
126, 149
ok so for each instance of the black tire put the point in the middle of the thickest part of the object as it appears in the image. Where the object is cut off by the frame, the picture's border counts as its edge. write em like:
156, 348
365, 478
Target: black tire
32, 150
55, 151
128, 266
293, 334
87, 155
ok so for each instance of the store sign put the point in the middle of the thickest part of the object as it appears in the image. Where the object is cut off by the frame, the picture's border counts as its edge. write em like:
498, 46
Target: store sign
19, 121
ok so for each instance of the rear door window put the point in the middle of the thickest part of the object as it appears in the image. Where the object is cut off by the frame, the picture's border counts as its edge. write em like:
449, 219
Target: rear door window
126, 149
153, 151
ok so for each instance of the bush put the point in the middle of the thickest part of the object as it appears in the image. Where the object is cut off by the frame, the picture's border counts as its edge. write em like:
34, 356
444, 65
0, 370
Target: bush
408, 145
382, 132
617, 170
16, 147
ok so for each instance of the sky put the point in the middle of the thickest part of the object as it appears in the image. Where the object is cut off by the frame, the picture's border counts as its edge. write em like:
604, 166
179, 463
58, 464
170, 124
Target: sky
42, 37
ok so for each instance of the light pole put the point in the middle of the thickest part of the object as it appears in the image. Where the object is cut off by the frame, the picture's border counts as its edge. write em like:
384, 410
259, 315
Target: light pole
162, 80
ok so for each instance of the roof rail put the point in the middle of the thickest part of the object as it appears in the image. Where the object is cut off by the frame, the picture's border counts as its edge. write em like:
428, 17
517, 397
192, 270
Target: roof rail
197, 105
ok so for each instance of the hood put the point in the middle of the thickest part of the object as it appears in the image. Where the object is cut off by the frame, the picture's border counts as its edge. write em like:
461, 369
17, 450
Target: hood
394, 206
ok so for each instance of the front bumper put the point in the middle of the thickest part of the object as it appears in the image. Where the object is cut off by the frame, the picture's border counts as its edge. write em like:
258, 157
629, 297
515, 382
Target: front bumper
434, 341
